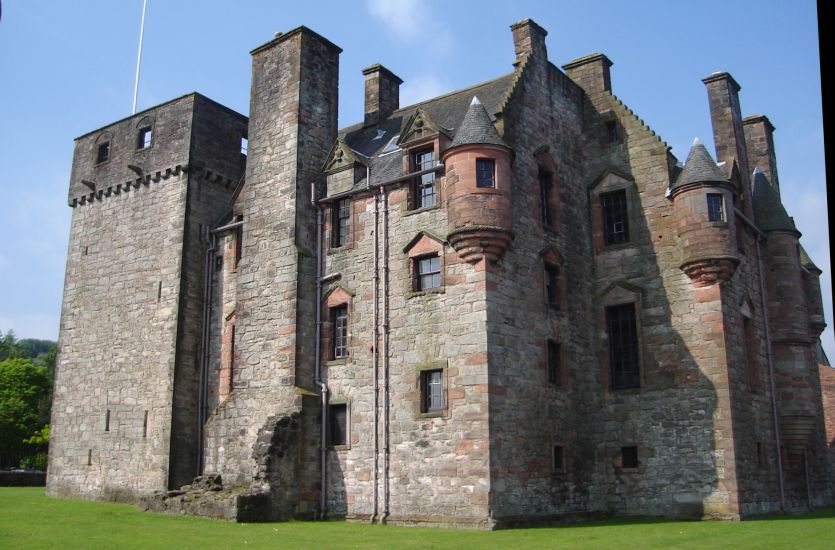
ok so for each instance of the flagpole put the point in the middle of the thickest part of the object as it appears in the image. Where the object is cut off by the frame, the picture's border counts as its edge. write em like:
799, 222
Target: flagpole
139, 56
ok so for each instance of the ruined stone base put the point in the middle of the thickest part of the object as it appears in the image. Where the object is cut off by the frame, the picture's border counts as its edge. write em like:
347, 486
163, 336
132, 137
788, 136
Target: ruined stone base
204, 497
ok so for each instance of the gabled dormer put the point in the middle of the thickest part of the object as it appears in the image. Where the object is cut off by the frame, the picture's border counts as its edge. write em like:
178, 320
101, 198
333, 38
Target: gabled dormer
419, 129
343, 168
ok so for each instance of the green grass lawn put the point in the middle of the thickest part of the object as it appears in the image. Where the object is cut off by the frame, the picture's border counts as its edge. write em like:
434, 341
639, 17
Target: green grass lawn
28, 519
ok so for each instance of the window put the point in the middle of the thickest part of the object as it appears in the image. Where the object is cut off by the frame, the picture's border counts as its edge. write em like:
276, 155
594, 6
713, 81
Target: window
244, 145
424, 186
629, 457
544, 199
552, 289
623, 346
103, 152
338, 424
557, 460
432, 391
144, 138
485, 173
145, 425
750, 350
341, 222
715, 207
615, 223
107, 421
553, 358
612, 133
339, 318
427, 273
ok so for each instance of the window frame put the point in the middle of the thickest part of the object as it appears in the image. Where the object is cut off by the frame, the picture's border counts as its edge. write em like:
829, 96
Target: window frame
419, 275
145, 137
333, 409
553, 362
546, 187
715, 214
107, 148
420, 184
614, 213
623, 353
340, 320
480, 171
433, 379
629, 457
341, 223
551, 280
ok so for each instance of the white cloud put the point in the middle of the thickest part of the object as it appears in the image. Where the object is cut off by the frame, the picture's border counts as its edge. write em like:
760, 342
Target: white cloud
412, 21
420, 89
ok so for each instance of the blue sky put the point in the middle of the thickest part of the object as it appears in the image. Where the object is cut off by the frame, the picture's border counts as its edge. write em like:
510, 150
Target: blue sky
68, 68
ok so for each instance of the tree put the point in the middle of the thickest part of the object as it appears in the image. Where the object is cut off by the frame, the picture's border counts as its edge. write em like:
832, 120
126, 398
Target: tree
23, 389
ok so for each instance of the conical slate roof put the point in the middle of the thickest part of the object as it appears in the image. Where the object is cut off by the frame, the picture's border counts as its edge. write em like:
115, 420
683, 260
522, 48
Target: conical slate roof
700, 168
477, 127
769, 212
806, 261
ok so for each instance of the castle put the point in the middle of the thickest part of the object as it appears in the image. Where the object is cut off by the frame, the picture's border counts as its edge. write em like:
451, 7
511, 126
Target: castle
504, 305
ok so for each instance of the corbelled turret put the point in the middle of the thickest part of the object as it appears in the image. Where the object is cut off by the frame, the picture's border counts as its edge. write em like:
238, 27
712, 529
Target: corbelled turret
478, 188
703, 204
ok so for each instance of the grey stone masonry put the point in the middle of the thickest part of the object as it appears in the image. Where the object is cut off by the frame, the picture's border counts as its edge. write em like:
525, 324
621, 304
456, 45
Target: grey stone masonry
482, 313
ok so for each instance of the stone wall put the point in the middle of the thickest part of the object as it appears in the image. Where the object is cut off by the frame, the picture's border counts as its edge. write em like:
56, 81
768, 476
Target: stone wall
292, 126
131, 307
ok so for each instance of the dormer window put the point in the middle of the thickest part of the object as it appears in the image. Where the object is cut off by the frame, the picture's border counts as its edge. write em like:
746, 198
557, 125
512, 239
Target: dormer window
485, 173
103, 152
424, 191
144, 138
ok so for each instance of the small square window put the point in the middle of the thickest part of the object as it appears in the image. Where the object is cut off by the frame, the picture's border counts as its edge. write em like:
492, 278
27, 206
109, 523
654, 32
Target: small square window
485, 173
432, 391
629, 457
427, 273
338, 424
339, 318
144, 138
424, 186
553, 362
557, 459
715, 207
103, 152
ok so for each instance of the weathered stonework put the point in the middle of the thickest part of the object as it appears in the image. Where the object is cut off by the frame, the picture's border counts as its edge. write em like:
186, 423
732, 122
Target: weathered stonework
334, 337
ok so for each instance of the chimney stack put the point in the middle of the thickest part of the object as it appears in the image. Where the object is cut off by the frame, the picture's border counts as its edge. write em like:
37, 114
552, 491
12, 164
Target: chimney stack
759, 140
529, 40
728, 136
591, 73
382, 93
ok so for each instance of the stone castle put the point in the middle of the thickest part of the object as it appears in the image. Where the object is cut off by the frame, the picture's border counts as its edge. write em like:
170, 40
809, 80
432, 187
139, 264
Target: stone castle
505, 305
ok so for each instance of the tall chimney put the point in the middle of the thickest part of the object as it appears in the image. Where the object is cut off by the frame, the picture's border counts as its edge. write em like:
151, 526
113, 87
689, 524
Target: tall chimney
728, 136
529, 40
382, 93
591, 73
759, 140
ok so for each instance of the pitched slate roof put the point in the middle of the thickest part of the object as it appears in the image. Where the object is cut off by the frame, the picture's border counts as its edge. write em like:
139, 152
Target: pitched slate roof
699, 168
769, 212
477, 127
447, 110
